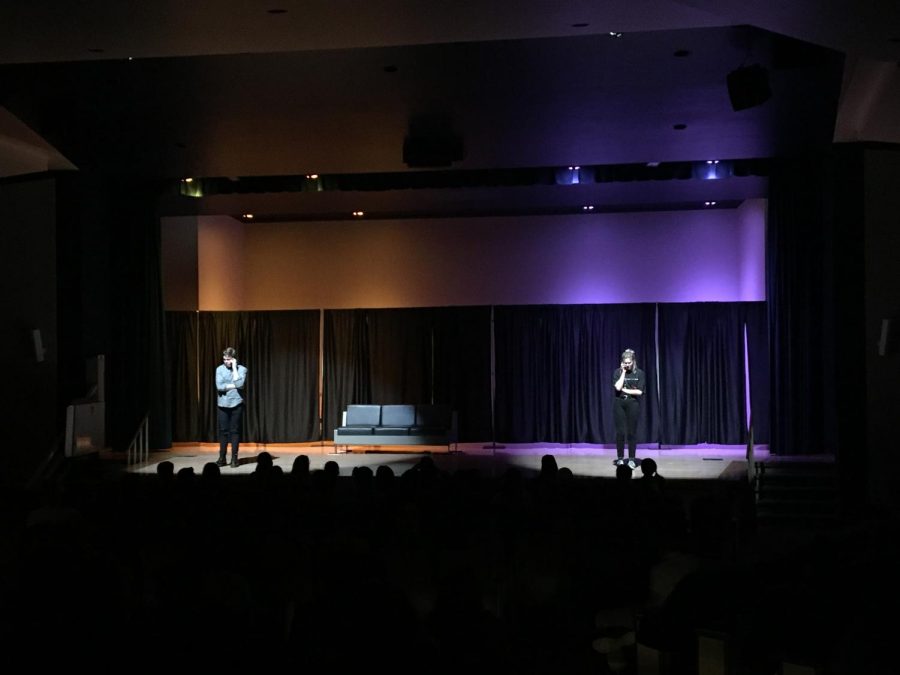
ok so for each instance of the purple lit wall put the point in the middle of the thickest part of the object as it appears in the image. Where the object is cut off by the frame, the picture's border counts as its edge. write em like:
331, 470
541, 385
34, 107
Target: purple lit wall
682, 256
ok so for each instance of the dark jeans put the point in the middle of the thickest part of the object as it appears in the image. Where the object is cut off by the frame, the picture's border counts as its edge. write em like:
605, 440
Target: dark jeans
625, 415
230, 430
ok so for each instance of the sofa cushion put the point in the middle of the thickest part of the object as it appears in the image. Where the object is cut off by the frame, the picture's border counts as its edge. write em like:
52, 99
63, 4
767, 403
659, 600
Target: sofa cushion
391, 431
398, 415
354, 431
363, 416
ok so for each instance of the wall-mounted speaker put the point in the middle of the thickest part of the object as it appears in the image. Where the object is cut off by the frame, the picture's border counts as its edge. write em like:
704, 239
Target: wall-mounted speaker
748, 86
884, 339
38, 342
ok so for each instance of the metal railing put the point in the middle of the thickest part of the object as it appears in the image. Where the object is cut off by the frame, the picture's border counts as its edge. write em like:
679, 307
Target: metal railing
139, 448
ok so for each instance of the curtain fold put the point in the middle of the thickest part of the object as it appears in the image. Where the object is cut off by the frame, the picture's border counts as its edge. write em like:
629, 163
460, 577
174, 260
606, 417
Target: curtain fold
182, 334
287, 378
346, 356
702, 373
554, 368
280, 351
796, 225
462, 368
400, 355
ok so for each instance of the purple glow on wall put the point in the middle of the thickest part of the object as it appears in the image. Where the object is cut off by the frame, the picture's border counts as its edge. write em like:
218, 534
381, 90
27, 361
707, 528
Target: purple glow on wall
693, 256
708, 255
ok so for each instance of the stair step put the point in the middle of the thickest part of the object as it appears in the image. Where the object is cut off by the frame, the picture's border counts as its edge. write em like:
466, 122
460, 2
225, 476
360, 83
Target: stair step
799, 508
798, 491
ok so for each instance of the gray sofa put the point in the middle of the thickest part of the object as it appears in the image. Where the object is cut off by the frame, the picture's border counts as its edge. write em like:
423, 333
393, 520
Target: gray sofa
375, 425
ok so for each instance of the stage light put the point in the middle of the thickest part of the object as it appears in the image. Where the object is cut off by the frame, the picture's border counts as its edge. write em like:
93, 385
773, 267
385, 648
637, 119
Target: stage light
712, 169
574, 175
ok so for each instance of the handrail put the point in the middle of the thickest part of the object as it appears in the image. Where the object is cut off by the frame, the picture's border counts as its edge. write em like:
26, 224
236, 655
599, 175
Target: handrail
43, 468
139, 448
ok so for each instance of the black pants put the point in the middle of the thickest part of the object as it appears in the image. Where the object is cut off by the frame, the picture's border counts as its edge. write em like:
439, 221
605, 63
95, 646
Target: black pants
230, 430
625, 415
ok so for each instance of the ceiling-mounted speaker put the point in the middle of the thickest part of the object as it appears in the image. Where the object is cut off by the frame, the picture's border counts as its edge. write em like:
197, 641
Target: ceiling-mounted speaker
748, 86
432, 142
432, 151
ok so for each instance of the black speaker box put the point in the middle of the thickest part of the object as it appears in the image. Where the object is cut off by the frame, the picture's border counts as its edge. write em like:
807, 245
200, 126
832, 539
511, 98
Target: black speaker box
748, 86
432, 150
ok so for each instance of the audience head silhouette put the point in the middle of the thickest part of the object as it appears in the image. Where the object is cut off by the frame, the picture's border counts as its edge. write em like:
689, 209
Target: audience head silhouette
300, 466
648, 467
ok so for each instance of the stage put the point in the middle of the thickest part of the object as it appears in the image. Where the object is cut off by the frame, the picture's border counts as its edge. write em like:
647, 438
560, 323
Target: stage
699, 462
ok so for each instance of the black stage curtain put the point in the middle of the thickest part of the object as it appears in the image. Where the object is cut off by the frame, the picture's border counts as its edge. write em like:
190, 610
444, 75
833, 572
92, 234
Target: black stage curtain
288, 377
346, 360
701, 373
400, 355
135, 367
181, 333
554, 367
462, 368
795, 286
280, 350
420, 355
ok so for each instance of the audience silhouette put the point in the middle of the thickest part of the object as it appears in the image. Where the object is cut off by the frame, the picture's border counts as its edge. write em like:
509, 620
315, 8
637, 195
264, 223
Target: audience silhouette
555, 573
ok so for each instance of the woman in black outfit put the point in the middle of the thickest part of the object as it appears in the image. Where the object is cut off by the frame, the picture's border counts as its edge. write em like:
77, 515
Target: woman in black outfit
628, 381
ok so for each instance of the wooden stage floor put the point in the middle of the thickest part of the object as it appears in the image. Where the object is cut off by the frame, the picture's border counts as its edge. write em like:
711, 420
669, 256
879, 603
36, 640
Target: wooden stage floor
681, 463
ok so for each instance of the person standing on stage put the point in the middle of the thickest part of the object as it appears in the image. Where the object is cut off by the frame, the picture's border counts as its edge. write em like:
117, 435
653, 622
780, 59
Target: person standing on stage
230, 380
628, 381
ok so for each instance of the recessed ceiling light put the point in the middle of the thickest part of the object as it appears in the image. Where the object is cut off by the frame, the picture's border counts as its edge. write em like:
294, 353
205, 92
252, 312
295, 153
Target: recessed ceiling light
681, 53
679, 127
359, 214
615, 34
96, 50
276, 10
312, 176
390, 69
247, 216
188, 180
580, 25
